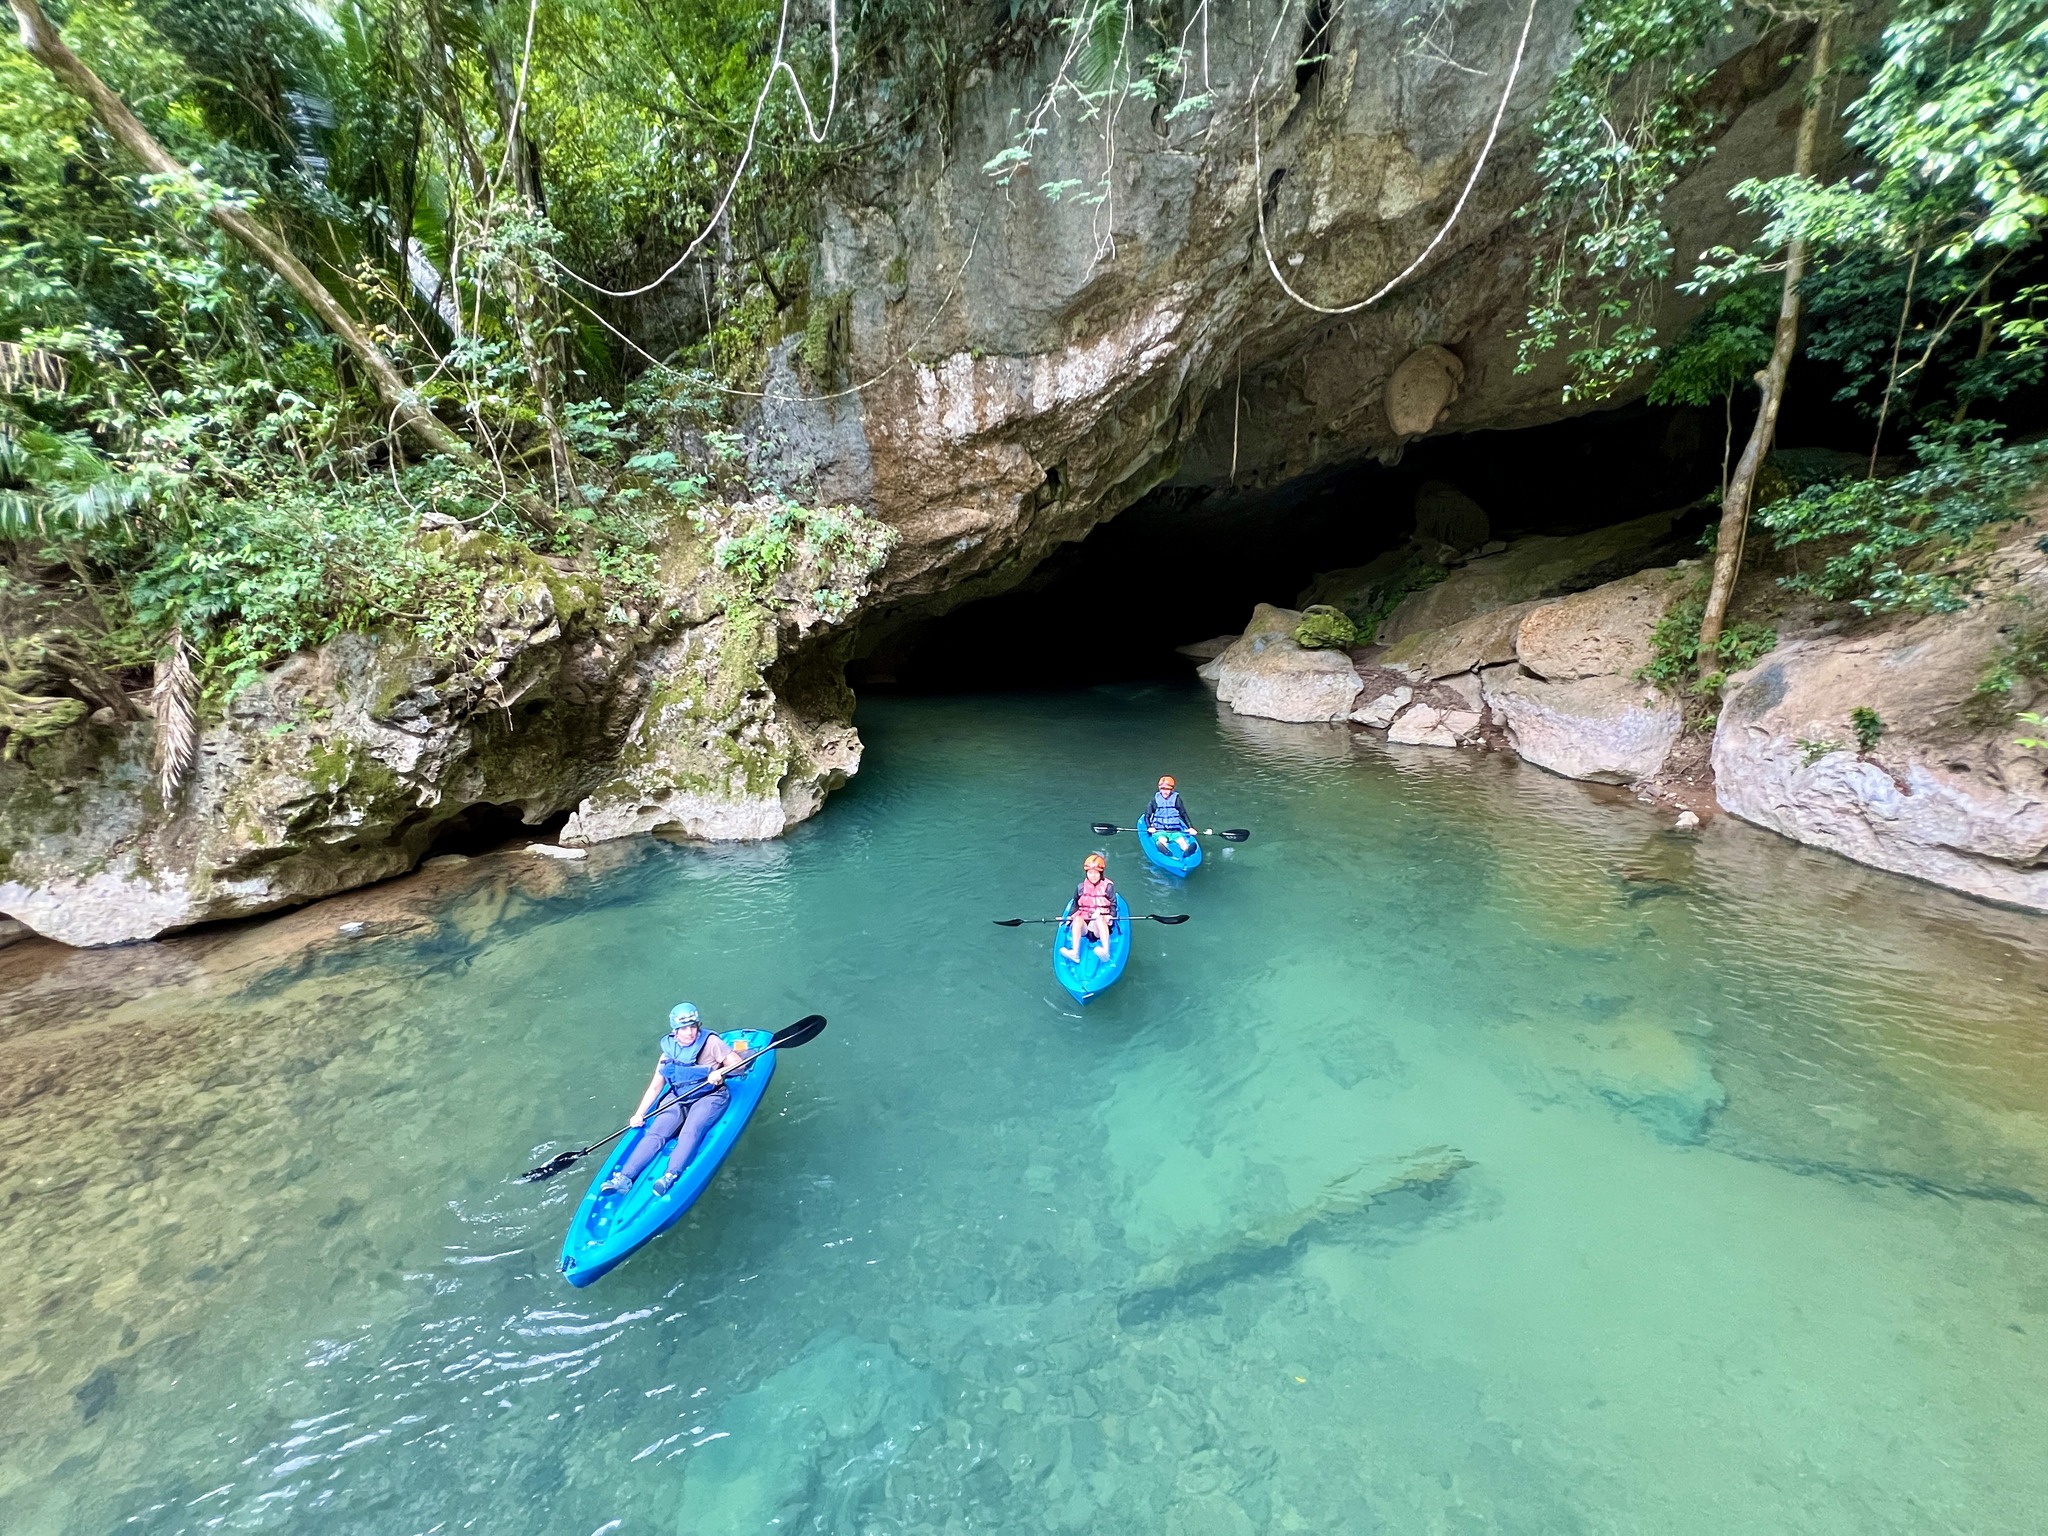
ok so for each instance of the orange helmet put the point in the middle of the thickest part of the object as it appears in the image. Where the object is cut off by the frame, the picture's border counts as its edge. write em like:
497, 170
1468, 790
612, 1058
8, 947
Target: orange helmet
1166, 781
1094, 861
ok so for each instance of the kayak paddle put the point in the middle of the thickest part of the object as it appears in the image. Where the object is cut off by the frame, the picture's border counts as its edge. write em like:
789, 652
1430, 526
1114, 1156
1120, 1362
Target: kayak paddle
1228, 834
802, 1032
1140, 917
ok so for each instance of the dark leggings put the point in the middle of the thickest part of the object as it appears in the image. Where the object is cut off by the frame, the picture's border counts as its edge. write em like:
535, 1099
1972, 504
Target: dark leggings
687, 1126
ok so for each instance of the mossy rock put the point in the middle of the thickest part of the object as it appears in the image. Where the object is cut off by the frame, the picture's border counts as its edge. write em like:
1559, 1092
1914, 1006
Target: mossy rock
1323, 628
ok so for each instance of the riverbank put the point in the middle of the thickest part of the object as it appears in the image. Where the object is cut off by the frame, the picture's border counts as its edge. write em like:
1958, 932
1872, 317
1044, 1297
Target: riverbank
1894, 740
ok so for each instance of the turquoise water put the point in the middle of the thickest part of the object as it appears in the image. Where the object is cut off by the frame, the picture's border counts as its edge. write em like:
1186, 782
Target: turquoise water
1481, 1157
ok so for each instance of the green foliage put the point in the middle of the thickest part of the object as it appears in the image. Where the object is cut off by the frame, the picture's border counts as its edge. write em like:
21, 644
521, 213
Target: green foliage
1813, 748
1372, 607
179, 445
291, 565
1729, 341
841, 545
1622, 125
1867, 725
2032, 743
1112, 53
1675, 647
2024, 658
1323, 628
1916, 288
1899, 544
824, 342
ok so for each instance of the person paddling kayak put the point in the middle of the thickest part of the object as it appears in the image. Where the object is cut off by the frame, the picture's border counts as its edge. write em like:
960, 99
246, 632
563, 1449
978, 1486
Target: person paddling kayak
1094, 908
1168, 820
691, 1056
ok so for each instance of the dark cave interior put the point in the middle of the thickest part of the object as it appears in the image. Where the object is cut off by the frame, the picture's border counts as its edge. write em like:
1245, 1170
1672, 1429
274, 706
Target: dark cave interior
1185, 563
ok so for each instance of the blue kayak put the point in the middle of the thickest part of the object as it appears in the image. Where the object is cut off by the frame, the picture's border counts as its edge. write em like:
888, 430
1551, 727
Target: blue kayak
1086, 977
1170, 861
609, 1229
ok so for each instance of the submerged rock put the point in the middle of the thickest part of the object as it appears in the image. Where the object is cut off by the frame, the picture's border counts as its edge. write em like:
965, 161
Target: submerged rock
1267, 673
816, 1439
1179, 1278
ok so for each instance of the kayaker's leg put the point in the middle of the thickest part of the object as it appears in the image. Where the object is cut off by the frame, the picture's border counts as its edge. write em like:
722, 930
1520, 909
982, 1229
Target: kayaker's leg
702, 1114
1102, 930
646, 1149
1073, 951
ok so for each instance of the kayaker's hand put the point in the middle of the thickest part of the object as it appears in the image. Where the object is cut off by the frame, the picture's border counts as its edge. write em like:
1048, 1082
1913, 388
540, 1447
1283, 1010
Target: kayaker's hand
637, 1121
718, 1077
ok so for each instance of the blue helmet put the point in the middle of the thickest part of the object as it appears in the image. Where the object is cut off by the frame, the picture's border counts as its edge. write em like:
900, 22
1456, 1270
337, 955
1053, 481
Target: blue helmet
683, 1013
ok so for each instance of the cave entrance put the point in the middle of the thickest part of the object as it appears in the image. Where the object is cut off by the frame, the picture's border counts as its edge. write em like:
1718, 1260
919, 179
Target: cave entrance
1189, 562
485, 828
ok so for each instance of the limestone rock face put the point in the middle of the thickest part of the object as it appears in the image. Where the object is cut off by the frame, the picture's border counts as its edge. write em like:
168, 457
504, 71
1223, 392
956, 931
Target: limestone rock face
1600, 632
342, 766
1267, 674
1420, 394
1484, 640
1943, 797
1424, 725
1446, 515
1607, 729
1034, 367
1532, 568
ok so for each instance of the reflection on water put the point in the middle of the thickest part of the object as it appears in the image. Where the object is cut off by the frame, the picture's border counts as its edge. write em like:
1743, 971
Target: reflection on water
1481, 1156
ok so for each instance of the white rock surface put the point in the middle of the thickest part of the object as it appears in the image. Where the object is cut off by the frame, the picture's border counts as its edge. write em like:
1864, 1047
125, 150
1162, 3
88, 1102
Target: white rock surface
1381, 711
1466, 686
1610, 730
1942, 798
1264, 673
1421, 725
1601, 632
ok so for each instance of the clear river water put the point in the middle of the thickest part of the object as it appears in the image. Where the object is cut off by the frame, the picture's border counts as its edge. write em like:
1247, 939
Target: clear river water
1482, 1156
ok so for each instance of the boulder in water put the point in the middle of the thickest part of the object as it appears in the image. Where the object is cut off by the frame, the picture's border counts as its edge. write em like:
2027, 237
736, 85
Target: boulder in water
1267, 673
1611, 730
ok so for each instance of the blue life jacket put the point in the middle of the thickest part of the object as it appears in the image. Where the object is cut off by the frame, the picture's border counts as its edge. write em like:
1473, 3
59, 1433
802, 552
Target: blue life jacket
1166, 813
679, 1067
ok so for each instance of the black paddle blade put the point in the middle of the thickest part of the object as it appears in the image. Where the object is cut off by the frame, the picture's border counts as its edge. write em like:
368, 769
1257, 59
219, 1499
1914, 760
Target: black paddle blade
1104, 829
802, 1032
550, 1168
1169, 921
1009, 922
1235, 834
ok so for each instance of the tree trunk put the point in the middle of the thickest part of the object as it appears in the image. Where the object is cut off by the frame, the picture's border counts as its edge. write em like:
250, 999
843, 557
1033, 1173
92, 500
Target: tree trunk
1771, 381
47, 47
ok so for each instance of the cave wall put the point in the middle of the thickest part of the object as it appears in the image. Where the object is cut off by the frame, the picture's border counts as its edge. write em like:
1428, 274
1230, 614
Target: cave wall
1020, 369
